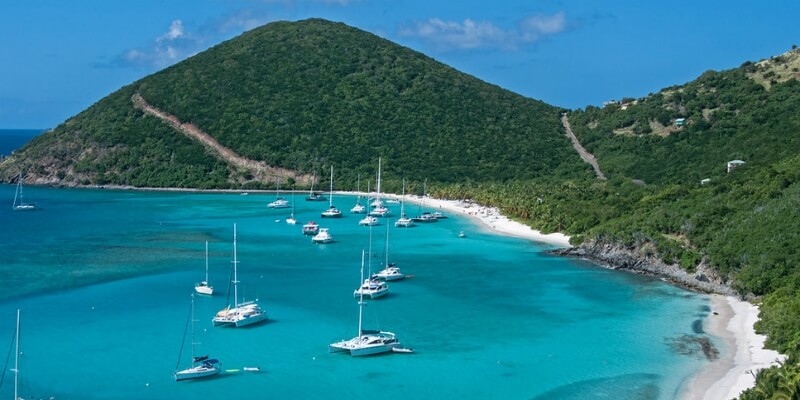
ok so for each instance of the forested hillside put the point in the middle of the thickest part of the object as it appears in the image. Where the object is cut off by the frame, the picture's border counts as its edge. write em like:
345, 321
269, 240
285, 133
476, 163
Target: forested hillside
307, 95
303, 96
745, 224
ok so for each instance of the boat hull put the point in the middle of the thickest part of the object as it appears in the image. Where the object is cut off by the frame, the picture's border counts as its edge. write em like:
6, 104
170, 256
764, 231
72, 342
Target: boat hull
203, 288
200, 371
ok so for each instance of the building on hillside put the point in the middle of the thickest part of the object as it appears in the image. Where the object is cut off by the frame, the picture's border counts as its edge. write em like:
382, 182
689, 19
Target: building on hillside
680, 121
705, 181
733, 164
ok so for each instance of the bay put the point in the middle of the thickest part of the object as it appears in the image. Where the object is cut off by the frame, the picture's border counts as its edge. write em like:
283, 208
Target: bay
103, 279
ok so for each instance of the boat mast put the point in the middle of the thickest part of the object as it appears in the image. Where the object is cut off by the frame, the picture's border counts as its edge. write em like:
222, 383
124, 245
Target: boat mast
386, 253
192, 321
16, 360
330, 197
235, 276
361, 296
378, 189
403, 200
206, 267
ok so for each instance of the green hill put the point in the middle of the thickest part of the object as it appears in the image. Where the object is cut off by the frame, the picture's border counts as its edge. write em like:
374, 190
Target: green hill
301, 96
296, 97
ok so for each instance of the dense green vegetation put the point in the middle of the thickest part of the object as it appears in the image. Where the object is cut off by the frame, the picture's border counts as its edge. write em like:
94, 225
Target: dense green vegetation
746, 224
306, 95
310, 94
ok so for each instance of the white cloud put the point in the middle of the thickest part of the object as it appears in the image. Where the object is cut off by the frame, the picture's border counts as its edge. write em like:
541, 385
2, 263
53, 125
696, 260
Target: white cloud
470, 34
175, 31
168, 48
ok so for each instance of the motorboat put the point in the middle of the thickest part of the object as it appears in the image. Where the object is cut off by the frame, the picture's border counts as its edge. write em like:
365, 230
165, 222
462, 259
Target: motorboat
323, 236
369, 221
310, 228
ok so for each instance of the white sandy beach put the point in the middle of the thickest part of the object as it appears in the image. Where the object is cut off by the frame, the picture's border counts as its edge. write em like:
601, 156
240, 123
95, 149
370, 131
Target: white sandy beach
745, 355
491, 218
725, 378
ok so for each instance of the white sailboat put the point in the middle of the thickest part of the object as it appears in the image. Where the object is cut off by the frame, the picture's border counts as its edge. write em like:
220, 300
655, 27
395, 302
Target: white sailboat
380, 210
404, 221
371, 287
358, 208
202, 366
292, 220
367, 342
279, 202
390, 271
16, 360
19, 201
16, 370
242, 314
203, 287
312, 196
332, 211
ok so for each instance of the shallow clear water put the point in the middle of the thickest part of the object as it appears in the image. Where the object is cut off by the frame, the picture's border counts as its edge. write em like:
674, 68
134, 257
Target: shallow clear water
103, 279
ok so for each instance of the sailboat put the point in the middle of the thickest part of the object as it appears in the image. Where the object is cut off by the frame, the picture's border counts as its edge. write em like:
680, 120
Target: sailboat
358, 208
279, 202
16, 369
403, 221
202, 366
242, 314
367, 342
16, 360
425, 217
390, 271
371, 287
331, 212
379, 210
19, 202
314, 196
203, 287
292, 220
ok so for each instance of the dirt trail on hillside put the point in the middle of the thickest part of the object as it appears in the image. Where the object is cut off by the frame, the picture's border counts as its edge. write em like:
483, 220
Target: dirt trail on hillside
585, 155
260, 170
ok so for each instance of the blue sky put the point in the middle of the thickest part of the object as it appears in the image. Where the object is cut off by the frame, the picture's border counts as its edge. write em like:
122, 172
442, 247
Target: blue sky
58, 57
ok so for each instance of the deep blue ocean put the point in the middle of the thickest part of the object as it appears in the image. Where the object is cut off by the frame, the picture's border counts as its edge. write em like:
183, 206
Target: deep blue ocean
104, 277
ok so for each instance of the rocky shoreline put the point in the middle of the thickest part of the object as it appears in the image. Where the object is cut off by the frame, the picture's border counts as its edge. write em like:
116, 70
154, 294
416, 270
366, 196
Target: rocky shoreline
617, 256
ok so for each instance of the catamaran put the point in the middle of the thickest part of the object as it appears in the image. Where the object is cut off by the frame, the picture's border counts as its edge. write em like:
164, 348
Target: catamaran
331, 212
390, 272
358, 208
371, 287
367, 342
404, 221
380, 210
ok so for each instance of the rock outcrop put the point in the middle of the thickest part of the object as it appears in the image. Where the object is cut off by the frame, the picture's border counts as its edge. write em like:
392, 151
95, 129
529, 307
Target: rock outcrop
617, 256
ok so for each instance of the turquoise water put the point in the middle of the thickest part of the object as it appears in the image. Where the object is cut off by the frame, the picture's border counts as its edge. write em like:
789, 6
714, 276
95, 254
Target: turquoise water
103, 279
